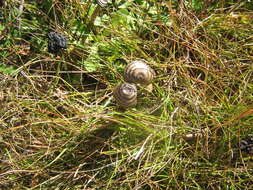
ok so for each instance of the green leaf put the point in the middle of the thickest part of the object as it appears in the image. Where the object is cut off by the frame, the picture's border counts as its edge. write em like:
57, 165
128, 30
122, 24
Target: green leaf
7, 70
2, 27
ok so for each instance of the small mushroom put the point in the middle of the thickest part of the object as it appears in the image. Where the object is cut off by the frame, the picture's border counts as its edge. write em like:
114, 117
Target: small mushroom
125, 95
139, 72
102, 3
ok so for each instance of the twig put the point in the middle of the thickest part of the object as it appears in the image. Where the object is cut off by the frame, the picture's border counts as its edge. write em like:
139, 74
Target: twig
21, 8
136, 155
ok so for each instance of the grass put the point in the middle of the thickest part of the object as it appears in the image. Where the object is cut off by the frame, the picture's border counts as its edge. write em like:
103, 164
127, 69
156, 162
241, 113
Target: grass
60, 127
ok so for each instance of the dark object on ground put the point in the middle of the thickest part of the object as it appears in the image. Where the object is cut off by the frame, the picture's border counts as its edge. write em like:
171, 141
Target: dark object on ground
246, 144
56, 42
1, 3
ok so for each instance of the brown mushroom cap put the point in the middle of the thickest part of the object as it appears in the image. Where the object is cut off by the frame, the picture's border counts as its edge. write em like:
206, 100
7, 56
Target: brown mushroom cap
138, 72
125, 95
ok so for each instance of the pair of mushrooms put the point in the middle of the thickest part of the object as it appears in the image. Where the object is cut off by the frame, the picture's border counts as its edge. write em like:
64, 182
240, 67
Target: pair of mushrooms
137, 72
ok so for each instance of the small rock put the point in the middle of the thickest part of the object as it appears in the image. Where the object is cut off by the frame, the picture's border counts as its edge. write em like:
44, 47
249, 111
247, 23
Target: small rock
56, 42
246, 144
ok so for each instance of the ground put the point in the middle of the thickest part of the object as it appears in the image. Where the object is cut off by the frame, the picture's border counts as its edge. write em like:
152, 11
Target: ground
60, 127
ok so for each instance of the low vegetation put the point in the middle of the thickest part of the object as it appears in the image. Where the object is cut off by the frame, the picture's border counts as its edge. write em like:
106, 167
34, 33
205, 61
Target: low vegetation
60, 127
